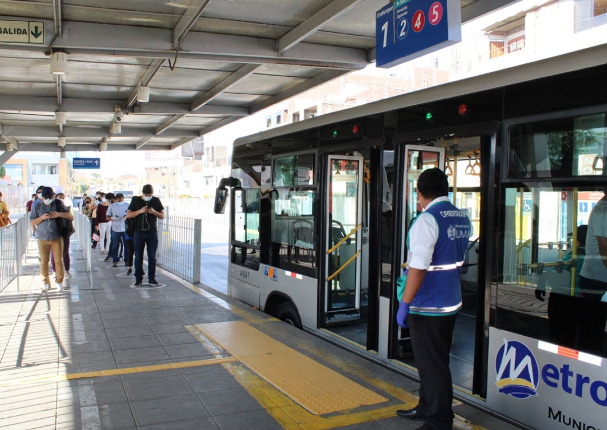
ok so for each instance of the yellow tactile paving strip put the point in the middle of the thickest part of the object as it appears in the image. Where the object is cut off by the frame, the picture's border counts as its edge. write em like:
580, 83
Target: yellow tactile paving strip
314, 386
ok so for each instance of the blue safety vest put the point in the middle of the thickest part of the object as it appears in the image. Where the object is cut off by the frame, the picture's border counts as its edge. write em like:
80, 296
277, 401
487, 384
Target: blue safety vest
441, 293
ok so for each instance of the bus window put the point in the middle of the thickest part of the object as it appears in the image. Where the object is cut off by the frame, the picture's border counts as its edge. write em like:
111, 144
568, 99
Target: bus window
293, 233
245, 230
294, 171
550, 256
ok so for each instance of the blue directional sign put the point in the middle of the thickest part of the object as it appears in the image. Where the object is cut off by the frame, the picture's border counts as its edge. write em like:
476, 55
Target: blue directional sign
86, 163
583, 206
407, 29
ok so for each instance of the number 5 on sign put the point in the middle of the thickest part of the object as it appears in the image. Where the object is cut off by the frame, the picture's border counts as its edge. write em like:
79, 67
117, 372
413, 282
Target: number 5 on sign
436, 13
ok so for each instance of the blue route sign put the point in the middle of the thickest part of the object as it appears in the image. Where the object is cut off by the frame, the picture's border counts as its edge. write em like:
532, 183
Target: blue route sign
86, 163
407, 29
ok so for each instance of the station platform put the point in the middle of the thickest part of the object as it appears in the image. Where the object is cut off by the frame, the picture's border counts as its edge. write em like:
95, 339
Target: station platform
181, 356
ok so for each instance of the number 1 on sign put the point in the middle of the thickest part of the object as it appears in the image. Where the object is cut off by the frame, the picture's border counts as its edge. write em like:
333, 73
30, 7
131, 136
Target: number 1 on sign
384, 28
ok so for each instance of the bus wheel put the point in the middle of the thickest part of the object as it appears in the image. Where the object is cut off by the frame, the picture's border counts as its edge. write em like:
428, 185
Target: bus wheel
288, 313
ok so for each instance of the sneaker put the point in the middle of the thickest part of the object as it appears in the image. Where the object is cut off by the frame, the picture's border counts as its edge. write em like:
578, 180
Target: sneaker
130, 272
62, 287
138, 283
68, 274
115, 264
153, 282
45, 288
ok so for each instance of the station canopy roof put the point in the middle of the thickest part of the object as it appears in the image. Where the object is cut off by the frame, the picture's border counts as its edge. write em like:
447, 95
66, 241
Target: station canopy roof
205, 63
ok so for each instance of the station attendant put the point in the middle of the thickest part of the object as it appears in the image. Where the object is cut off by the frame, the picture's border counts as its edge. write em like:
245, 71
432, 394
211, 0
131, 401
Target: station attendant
432, 297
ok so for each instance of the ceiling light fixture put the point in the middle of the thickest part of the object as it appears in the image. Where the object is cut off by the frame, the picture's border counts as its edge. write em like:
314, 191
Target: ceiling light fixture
61, 142
58, 63
143, 94
60, 118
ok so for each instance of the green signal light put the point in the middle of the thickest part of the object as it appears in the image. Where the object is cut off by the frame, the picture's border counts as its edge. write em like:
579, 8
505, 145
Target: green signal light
335, 133
429, 116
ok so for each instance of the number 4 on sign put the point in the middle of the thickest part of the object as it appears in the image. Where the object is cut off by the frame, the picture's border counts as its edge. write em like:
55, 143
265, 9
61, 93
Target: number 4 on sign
419, 20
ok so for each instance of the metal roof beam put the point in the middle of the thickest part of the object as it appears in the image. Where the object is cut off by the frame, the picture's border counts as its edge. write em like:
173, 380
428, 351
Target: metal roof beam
217, 125
122, 40
224, 85
181, 142
304, 86
29, 132
329, 13
91, 147
142, 142
18, 104
169, 122
188, 19
150, 72
5, 156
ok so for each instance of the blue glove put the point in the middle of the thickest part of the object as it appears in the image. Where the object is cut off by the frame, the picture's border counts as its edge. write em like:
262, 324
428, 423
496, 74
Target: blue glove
403, 312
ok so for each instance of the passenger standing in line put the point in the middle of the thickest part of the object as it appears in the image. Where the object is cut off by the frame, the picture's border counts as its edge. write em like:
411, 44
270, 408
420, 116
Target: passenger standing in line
436, 244
111, 198
66, 244
37, 201
117, 214
29, 204
147, 209
103, 224
129, 252
44, 216
593, 280
4, 213
81, 202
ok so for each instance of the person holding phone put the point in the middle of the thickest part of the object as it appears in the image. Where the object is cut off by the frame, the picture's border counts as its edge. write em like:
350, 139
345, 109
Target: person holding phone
44, 217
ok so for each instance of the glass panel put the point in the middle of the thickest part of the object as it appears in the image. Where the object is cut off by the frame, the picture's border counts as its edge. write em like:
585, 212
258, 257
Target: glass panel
293, 233
246, 216
417, 162
470, 202
294, 171
554, 277
561, 148
344, 217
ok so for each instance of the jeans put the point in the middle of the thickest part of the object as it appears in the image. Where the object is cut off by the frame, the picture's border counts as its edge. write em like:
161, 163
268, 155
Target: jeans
128, 252
117, 238
140, 241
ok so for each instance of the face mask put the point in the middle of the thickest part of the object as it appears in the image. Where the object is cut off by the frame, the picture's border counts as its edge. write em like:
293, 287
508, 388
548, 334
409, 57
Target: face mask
104, 200
39, 195
48, 201
147, 198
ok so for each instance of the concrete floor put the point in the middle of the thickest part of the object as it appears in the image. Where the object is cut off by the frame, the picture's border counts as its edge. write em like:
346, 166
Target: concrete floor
115, 357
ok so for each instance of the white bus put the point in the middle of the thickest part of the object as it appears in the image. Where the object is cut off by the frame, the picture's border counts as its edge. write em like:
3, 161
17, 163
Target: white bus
321, 208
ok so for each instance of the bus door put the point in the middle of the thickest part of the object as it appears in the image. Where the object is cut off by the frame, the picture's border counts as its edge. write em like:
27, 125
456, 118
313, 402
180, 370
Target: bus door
417, 159
344, 237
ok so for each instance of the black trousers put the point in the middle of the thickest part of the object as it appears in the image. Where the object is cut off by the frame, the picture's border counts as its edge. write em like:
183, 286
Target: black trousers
431, 341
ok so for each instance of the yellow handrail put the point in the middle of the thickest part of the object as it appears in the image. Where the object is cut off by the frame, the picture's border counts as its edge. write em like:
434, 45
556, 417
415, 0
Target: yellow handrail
338, 271
522, 245
338, 244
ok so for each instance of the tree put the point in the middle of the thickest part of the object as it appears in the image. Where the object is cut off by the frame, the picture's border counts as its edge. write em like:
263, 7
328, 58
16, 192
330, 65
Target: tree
2, 172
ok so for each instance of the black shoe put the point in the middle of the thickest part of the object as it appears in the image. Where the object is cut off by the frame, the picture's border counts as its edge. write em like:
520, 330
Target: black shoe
107, 259
153, 282
411, 414
139, 283
129, 273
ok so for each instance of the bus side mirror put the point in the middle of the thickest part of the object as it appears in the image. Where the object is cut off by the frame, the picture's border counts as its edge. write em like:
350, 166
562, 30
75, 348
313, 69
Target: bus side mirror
221, 194
221, 197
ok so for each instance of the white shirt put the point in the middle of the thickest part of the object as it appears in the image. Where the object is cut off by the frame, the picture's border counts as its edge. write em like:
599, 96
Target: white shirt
422, 238
593, 267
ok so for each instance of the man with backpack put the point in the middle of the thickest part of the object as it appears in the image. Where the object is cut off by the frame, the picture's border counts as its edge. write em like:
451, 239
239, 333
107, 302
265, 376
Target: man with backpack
116, 214
46, 216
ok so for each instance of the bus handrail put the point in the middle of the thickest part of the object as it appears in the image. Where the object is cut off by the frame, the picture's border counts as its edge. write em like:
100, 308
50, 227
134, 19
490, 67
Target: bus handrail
338, 244
338, 271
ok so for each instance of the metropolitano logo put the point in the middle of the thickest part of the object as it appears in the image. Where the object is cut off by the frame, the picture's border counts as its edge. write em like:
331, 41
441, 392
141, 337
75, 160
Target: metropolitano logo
517, 370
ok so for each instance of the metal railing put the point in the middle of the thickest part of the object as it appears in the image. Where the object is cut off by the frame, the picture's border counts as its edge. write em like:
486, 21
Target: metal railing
82, 226
16, 197
14, 239
179, 247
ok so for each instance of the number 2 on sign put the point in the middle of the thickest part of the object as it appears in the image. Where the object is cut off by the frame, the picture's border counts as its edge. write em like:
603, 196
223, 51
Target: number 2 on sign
436, 13
419, 19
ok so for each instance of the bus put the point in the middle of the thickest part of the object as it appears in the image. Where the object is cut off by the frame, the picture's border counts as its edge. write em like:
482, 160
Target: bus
320, 211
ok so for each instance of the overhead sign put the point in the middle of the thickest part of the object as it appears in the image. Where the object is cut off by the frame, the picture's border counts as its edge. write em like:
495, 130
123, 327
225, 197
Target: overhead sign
545, 386
22, 32
408, 29
86, 163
